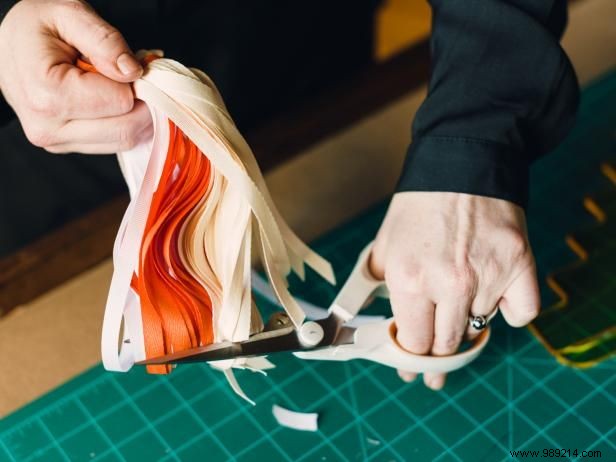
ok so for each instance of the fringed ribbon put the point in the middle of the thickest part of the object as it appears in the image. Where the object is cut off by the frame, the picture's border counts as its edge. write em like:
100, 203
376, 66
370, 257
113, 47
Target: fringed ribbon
182, 273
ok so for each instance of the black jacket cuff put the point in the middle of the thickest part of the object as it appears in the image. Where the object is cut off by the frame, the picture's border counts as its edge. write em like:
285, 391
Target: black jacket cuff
466, 165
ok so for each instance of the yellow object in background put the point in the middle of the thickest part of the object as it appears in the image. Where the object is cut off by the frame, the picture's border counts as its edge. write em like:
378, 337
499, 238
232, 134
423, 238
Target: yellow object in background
400, 24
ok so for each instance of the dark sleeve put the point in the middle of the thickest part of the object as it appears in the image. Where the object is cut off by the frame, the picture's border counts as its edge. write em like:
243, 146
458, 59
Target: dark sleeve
502, 92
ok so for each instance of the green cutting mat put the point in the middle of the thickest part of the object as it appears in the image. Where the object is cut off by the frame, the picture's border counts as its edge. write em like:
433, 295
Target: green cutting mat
515, 396
576, 338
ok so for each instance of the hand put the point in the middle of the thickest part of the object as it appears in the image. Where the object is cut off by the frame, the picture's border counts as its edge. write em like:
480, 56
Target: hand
445, 255
62, 108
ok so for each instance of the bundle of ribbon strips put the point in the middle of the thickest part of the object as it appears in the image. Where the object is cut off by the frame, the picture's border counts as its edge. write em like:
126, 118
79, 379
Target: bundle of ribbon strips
199, 203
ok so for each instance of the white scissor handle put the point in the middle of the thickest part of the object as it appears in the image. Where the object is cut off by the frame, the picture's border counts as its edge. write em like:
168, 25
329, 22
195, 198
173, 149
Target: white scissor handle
358, 288
377, 342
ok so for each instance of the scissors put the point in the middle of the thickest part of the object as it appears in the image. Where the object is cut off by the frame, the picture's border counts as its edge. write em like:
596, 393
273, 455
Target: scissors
331, 338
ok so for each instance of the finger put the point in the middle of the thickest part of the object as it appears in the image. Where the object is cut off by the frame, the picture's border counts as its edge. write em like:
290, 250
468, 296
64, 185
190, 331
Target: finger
101, 43
75, 94
407, 376
450, 321
521, 301
102, 148
414, 316
108, 135
98, 148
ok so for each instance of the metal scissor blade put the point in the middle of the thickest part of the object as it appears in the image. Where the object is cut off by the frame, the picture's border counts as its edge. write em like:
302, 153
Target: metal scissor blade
259, 344
272, 341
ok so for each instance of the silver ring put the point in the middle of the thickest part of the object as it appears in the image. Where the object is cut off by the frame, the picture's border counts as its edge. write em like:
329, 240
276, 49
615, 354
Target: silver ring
478, 322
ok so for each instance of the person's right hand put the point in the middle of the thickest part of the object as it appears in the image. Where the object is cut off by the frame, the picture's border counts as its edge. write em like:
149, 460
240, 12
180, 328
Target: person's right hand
62, 108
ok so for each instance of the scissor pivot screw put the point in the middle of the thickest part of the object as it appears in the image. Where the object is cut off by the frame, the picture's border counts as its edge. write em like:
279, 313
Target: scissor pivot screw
311, 334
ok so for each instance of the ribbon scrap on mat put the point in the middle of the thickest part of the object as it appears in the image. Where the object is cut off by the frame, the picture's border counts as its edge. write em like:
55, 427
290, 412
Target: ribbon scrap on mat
182, 255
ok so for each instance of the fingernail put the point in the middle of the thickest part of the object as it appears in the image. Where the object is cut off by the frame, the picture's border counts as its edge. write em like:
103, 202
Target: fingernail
436, 383
407, 376
128, 64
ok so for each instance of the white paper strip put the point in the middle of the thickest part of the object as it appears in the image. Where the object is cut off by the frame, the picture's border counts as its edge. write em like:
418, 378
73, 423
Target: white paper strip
305, 421
236, 386
261, 286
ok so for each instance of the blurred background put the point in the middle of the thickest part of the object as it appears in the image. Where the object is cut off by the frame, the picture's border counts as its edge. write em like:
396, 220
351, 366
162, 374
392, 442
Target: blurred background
268, 58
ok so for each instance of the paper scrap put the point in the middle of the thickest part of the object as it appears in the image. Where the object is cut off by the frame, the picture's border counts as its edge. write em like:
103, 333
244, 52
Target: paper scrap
236, 386
305, 421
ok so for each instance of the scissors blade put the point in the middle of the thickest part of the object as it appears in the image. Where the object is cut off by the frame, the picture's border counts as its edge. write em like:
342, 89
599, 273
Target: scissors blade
263, 343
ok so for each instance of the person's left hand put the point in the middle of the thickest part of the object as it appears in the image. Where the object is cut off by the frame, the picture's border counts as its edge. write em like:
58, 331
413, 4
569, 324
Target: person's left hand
446, 255
61, 107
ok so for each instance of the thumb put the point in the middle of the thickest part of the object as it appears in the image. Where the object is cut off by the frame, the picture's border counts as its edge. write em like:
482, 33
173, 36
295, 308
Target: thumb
98, 41
521, 301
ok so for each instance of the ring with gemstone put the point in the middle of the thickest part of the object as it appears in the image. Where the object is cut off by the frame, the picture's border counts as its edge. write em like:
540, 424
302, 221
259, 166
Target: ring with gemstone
478, 322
